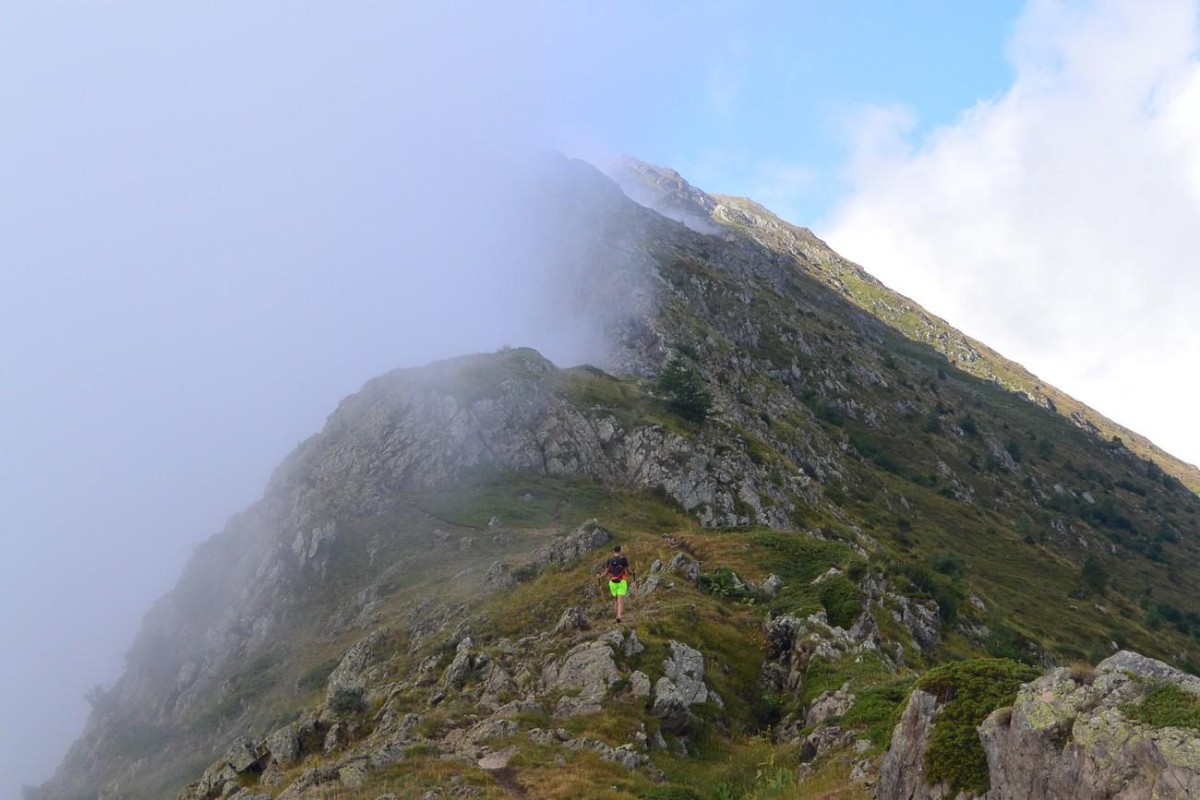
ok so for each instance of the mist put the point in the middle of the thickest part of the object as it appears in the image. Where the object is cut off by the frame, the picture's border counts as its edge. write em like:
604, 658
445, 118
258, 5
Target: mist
218, 220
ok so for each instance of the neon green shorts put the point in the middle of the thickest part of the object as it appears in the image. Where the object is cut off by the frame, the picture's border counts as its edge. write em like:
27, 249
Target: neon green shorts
618, 588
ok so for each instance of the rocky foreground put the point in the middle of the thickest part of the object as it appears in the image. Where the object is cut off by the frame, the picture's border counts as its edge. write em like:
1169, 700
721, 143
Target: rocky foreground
1126, 730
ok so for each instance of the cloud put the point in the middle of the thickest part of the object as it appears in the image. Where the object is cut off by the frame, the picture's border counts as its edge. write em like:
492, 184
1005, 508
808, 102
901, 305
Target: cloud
1059, 221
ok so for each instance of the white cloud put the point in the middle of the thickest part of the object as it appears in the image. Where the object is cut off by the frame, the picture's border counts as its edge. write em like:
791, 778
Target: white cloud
1060, 221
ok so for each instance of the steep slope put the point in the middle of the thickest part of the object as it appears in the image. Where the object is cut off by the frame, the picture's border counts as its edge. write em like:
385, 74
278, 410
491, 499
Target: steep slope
416, 581
665, 190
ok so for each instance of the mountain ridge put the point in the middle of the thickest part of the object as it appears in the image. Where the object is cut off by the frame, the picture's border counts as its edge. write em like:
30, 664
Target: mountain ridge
666, 190
889, 490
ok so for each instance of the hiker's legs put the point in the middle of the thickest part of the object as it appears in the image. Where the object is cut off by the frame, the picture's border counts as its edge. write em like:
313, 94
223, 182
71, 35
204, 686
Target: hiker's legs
618, 589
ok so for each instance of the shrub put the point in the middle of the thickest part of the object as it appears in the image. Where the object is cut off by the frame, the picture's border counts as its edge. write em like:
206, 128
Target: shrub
346, 702
1094, 574
841, 599
968, 424
1167, 706
1082, 674
724, 582
685, 392
315, 677
947, 562
877, 710
969, 691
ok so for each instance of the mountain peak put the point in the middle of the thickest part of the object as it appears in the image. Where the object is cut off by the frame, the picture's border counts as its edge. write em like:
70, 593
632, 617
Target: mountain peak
836, 508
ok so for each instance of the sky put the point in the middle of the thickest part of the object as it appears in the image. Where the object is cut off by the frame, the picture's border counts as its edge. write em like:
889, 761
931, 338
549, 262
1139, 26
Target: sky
218, 219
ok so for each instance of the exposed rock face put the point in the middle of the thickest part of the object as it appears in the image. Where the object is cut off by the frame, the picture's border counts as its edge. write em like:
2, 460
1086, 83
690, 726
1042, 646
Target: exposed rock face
353, 671
902, 773
680, 687
1067, 735
792, 643
587, 670
580, 542
1066, 738
221, 778
828, 705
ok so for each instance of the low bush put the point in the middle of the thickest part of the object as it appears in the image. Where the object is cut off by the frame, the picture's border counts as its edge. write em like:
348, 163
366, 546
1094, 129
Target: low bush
968, 692
1167, 706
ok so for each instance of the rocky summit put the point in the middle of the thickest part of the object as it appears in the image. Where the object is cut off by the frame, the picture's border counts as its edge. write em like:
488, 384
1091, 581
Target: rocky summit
871, 558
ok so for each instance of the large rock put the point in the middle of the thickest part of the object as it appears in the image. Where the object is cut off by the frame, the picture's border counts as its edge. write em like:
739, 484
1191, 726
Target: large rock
680, 688
1067, 736
289, 744
577, 544
353, 672
829, 705
460, 666
902, 773
219, 780
585, 675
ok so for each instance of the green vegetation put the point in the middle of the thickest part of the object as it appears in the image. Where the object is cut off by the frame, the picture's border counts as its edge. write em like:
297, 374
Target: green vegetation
841, 599
314, 678
969, 691
685, 391
1167, 706
916, 463
877, 710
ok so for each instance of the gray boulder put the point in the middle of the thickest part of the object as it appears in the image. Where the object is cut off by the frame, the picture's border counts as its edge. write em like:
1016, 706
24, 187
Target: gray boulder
353, 672
585, 675
829, 705
1067, 735
680, 688
685, 566
573, 619
576, 545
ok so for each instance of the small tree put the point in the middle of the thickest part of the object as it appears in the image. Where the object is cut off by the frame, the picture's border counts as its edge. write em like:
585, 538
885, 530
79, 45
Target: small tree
1094, 574
685, 392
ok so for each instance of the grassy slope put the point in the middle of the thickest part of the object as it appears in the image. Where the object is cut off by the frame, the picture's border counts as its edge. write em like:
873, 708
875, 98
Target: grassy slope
731, 757
916, 323
1016, 546
734, 755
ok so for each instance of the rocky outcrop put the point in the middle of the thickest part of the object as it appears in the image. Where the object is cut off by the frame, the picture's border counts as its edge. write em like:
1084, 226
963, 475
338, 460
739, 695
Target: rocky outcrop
681, 687
581, 541
1072, 733
829, 705
354, 672
793, 642
1069, 734
902, 773
584, 675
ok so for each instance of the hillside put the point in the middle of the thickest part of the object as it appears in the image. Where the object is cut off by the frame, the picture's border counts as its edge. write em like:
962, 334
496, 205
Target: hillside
828, 496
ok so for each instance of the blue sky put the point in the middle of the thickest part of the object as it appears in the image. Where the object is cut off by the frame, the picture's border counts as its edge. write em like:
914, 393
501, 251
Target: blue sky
216, 220
766, 109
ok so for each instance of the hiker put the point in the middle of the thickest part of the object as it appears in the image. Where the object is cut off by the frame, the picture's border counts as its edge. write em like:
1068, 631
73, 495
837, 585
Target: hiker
617, 570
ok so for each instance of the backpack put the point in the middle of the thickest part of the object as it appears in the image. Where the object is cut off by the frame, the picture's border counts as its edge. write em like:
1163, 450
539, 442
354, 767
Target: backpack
616, 568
